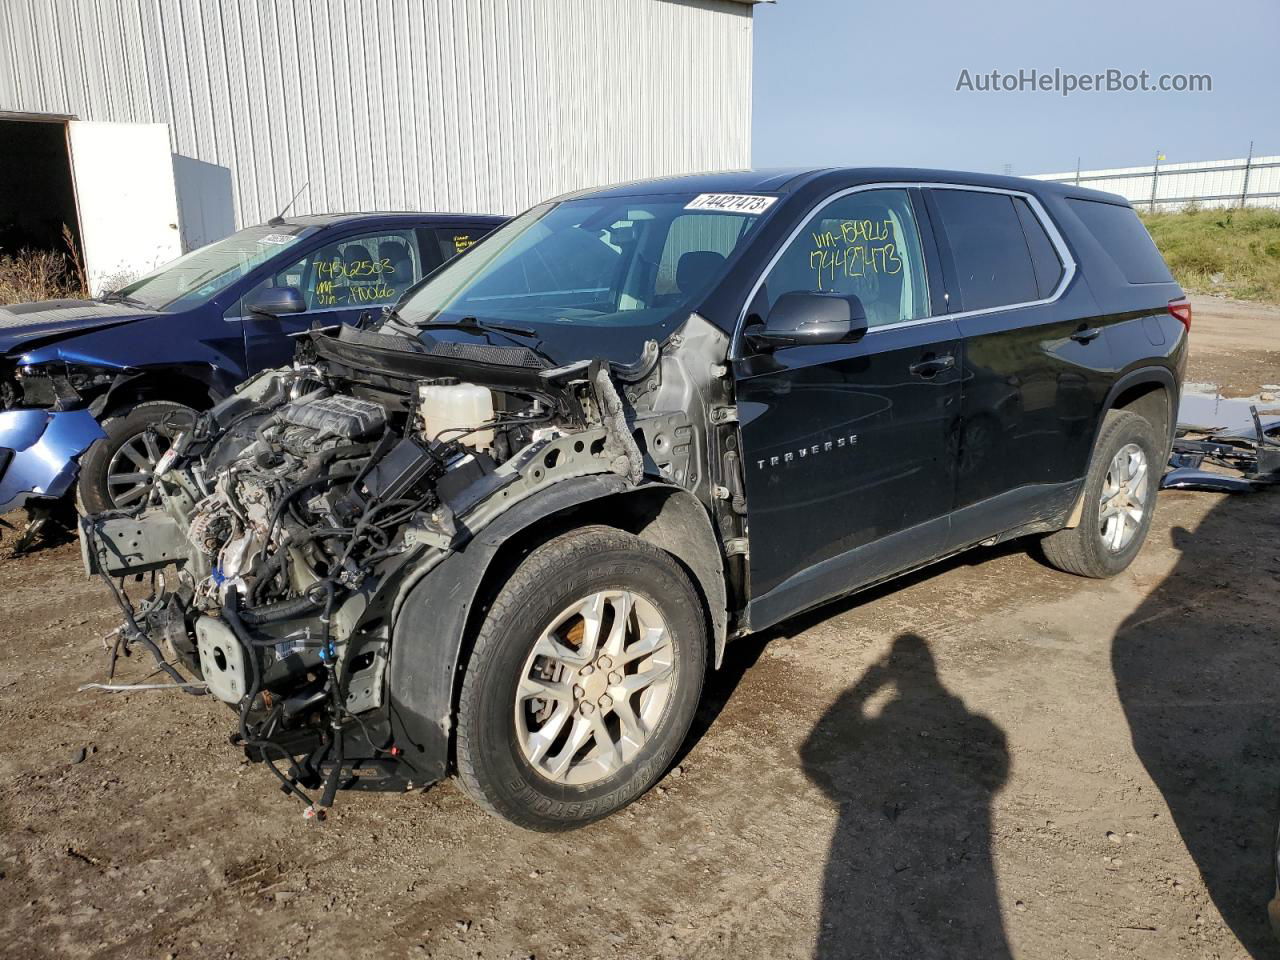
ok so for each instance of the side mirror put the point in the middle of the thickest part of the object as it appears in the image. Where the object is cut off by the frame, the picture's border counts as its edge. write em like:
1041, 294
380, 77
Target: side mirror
804, 319
274, 301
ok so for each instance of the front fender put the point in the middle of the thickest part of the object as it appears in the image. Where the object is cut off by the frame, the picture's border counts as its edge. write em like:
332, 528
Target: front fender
183, 383
431, 624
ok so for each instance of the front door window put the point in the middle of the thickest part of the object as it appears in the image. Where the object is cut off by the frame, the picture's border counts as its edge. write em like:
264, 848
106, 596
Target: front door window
357, 273
339, 282
864, 243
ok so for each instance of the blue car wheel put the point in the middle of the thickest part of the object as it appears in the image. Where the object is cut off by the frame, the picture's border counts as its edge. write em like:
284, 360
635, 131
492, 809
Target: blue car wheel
118, 472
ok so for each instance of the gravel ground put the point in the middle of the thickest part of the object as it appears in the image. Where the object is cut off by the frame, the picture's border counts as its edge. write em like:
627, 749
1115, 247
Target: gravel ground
987, 759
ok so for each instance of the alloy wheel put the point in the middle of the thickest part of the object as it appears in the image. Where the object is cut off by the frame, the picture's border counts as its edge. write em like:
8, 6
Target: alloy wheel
595, 687
131, 470
1124, 498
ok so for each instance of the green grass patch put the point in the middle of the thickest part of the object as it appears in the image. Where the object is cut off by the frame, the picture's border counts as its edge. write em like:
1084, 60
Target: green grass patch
1231, 252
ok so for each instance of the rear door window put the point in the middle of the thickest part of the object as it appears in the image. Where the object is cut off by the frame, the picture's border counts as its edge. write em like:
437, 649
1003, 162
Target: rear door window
1120, 232
452, 241
988, 248
1044, 256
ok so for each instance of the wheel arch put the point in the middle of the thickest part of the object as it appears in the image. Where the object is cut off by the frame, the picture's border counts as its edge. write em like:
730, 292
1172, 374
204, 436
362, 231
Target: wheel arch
1152, 393
426, 664
191, 387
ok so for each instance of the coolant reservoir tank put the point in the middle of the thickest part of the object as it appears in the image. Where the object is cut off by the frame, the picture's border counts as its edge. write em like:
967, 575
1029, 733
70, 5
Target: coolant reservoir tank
450, 409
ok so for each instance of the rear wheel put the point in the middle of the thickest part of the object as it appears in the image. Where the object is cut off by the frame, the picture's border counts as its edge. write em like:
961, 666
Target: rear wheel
583, 681
118, 472
1119, 500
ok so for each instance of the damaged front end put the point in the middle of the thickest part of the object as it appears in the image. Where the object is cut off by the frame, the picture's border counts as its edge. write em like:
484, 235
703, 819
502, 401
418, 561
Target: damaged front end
298, 515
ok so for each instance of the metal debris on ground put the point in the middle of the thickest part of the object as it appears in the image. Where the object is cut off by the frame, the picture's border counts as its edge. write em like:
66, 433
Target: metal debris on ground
1249, 451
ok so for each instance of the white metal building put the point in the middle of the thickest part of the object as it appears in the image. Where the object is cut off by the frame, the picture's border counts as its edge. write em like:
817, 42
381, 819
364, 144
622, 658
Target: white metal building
451, 105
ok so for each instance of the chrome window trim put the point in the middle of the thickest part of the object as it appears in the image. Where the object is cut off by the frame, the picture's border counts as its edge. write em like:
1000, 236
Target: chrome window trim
1069, 265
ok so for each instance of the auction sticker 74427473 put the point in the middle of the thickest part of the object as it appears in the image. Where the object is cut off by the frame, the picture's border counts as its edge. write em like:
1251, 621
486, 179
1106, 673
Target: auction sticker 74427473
731, 203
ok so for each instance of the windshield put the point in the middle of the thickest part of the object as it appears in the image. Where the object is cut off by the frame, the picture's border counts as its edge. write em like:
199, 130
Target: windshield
201, 274
600, 262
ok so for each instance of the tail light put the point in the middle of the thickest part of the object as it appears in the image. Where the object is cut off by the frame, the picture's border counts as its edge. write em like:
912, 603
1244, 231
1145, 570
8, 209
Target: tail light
1181, 309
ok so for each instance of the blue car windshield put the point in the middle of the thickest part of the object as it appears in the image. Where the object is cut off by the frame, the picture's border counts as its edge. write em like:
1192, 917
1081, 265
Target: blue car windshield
600, 262
201, 274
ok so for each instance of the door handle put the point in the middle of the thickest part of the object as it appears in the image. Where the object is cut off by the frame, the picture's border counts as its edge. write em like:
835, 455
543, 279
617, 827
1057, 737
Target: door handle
1086, 334
932, 366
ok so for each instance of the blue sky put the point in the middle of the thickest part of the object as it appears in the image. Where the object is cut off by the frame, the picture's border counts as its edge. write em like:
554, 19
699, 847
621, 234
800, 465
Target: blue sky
863, 82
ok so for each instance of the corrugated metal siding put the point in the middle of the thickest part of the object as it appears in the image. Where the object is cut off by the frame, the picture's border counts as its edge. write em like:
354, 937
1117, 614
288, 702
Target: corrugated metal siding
1209, 183
476, 105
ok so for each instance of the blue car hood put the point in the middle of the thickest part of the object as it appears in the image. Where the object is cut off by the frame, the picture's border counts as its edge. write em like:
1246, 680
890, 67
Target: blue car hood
24, 324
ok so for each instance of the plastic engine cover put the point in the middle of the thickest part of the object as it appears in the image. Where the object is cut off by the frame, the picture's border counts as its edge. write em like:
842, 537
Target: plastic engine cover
338, 416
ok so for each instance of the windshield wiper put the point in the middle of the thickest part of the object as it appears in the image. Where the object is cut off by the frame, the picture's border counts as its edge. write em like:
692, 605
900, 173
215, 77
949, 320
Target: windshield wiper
115, 296
474, 323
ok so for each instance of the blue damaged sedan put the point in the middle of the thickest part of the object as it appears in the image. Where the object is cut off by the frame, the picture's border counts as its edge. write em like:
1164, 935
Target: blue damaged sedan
92, 390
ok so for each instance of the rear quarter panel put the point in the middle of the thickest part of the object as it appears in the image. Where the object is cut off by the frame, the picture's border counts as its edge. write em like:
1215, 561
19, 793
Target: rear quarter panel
1140, 331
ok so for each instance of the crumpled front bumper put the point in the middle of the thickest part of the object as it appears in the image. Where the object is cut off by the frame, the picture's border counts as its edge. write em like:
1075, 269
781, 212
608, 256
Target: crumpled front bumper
39, 451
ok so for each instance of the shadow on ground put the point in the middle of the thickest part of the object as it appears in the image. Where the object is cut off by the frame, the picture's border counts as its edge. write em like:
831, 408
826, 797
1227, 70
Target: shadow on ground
741, 655
1197, 670
912, 773
52, 528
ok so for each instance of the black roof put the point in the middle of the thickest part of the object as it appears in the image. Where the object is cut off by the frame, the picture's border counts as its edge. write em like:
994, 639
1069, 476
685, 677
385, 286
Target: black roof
784, 181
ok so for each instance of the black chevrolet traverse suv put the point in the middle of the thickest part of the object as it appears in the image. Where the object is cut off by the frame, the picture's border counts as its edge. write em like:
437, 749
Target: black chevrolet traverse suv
504, 530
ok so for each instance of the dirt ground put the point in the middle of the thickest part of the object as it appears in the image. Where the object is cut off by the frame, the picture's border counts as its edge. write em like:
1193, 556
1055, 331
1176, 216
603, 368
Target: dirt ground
989, 759
1235, 345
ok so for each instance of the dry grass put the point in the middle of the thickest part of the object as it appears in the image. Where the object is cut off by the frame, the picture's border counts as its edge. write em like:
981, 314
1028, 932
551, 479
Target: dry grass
31, 275
1232, 252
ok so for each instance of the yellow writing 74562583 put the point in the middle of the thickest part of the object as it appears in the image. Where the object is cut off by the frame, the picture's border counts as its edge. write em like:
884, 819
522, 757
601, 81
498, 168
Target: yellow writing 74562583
354, 268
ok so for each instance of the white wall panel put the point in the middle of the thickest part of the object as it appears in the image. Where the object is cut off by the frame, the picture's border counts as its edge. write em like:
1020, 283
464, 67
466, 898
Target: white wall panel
478, 105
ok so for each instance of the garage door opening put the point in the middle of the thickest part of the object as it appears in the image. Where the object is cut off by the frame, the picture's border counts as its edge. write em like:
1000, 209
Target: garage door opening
110, 184
41, 254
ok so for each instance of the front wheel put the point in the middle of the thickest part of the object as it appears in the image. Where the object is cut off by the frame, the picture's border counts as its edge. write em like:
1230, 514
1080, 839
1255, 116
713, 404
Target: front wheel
1119, 500
583, 681
118, 472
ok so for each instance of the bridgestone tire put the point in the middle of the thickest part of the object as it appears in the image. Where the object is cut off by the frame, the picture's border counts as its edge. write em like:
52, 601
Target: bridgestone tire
1080, 549
491, 766
92, 490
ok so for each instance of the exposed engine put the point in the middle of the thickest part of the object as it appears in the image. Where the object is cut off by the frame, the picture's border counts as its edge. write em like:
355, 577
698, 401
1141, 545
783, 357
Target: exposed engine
296, 515
293, 501
302, 508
